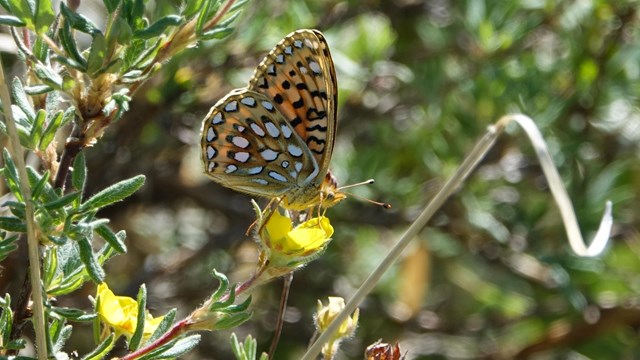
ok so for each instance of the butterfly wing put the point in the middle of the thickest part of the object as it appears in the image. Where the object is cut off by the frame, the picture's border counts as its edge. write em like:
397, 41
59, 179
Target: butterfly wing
248, 145
298, 75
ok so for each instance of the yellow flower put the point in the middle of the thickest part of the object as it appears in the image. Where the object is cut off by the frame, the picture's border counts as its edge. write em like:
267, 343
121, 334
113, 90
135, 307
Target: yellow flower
121, 313
303, 240
325, 315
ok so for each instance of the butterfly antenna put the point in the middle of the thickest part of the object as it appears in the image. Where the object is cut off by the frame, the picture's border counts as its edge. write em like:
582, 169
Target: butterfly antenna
367, 182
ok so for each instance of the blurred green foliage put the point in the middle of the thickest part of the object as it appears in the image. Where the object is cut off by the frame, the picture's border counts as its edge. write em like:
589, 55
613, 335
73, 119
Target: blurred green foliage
419, 82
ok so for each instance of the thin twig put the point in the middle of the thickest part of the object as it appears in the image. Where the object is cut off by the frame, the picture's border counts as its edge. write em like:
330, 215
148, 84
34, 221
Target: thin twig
452, 184
32, 241
286, 287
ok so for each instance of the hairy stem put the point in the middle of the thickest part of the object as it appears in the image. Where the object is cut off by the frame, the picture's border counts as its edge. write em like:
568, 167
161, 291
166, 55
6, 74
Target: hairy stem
17, 153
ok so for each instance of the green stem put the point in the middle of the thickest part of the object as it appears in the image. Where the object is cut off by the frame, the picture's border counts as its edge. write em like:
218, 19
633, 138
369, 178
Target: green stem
32, 241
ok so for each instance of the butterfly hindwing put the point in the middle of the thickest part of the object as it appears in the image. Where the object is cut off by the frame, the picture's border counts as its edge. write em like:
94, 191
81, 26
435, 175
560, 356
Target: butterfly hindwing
298, 75
249, 146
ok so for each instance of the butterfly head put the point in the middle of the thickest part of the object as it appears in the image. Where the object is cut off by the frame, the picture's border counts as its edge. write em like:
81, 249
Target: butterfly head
330, 194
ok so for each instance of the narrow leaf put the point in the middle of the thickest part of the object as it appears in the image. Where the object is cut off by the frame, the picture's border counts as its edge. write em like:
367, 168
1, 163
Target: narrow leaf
50, 131
136, 338
40, 49
62, 201
77, 21
11, 21
11, 175
191, 8
39, 185
180, 347
113, 193
24, 11
158, 27
36, 130
43, 15
74, 314
164, 325
102, 350
96, 54
120, 31
95, 271
216, 33
115, 240
10, 223
203, 16
37, 89
70, 45
5, 4
79, 174
111, 5
21, 100
48, 76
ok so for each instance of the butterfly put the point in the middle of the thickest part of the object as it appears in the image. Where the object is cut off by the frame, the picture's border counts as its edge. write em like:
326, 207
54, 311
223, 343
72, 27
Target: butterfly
274, 138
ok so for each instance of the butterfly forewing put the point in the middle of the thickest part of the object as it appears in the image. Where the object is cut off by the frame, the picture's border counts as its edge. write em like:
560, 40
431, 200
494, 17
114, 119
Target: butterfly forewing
247, 145
298, 75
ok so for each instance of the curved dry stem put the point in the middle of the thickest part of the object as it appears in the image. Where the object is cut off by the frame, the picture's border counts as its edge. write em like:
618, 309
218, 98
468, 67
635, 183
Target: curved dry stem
468, 165
576, 241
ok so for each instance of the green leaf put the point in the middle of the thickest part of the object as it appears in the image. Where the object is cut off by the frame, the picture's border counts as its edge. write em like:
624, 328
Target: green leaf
79, 174
24, 10
16, 208
164, 326
136, 338
78, 22
62, 201
103, 349
114, 66
7, 246
113, 193
48, 76
182, 346
146, 56
37, 89
11, 175
43, 15
40, 49
5, 4
120, 31
137, 12
97, 54
73, 314
10, 223
70, 45
111, 5
229, 19
192, 7
203, 16
11, 21
115, 240
40, 185
216, 33
88, 258
158, 27
36, 130
21, 100
232, 321
50, 131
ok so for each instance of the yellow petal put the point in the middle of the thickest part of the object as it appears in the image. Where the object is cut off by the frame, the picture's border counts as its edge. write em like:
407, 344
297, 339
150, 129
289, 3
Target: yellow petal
278, 226
310, 236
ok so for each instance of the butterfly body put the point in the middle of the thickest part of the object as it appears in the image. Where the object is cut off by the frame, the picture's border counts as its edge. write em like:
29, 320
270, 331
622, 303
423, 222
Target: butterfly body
274, 138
